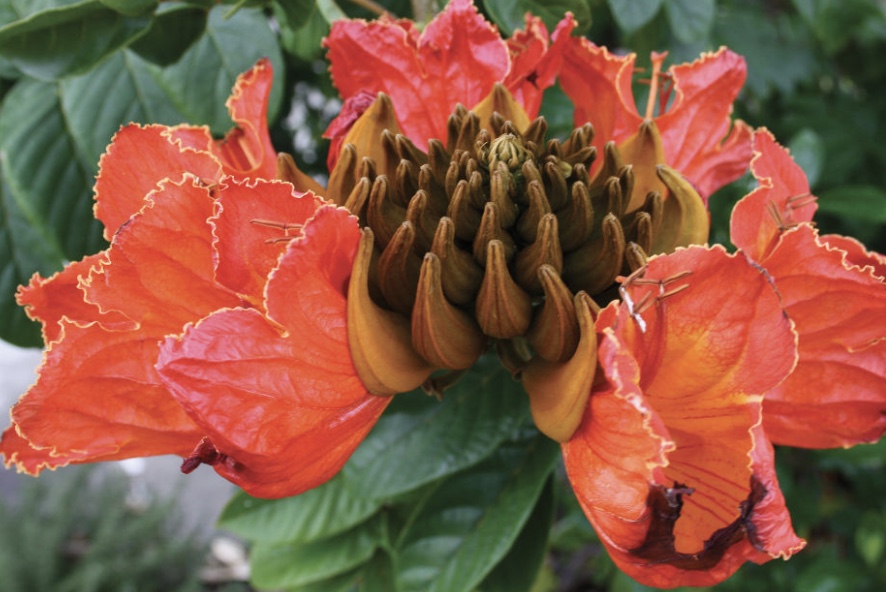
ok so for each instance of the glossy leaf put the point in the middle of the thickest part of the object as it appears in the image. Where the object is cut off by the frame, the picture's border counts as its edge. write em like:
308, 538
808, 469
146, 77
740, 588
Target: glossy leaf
319, 513
48, 181
808, 151
472, 519
633, 14
508, 14
60, 38
23, 251
51, 135
293, 565
420, 439
519, 568
690, 20
175, 27
863, 202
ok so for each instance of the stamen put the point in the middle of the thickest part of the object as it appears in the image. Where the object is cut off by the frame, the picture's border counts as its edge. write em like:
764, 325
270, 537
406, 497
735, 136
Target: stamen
670, 293
657, 59
643, 305
284, 226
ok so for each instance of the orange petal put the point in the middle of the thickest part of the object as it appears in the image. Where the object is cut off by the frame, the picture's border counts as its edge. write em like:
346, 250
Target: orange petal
535, 62
250, 227
285, 416
688, 368
837, 394
781, 200
247, 150
137, 159
159, 269
97, 397
456, 59
599, 84
28, 459
857, 254
60, 295
695, 128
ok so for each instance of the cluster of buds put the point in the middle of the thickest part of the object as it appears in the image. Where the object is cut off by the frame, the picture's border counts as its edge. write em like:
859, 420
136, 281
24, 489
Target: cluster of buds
495, 236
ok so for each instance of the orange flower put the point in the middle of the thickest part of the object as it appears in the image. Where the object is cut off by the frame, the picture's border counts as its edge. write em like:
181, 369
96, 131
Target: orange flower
200, 233
689, 105
833, 290
456, 59
670, 463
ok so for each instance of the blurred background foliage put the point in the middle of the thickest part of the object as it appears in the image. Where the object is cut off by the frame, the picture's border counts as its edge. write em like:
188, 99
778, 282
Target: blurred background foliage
73, 71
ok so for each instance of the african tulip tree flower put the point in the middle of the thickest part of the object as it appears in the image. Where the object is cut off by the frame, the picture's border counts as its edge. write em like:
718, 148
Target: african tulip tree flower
686, 123
834, 291
195, 240
456, 59
671, 463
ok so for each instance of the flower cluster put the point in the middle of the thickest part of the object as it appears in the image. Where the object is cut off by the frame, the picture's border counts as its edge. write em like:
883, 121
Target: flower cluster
247, 318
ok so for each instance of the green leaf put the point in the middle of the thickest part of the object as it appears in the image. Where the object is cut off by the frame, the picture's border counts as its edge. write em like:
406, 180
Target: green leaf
60, 38
175, 28
319, 513
52, 134
630, 15
420, 439
330, 11
473, 518
808, 150
777, 47
508, 14
22, 250
520, 567
690, 20
47, 180
290, 565
864, 202
302, 28
131, 7
229, 47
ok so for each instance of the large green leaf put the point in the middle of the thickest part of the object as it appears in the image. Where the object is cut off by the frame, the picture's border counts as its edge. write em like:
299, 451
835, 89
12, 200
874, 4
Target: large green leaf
630, 15
175, 28
864, 202
23, 251
472, 520
52, 135
691, 20
292, 565
319, 513
520, 567
420, 439
47, 180
508, 14
49, 40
